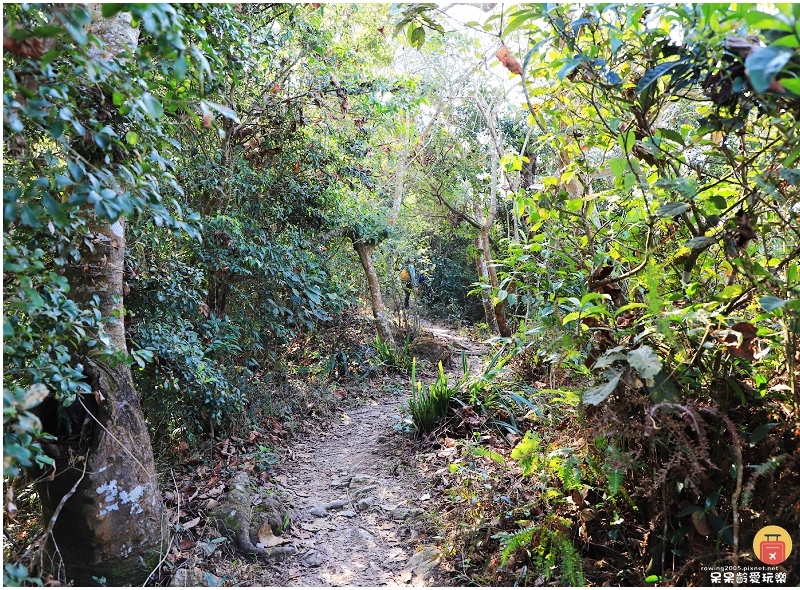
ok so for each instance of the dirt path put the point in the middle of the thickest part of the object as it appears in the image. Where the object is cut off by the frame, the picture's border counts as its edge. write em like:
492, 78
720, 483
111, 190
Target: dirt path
361, 509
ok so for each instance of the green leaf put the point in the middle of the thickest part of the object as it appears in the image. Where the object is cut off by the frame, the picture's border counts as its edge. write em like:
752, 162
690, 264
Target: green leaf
653, 74
568, 67
48, 31
118, 98
226, 112
132, 137
672, 209
627, 140
663, 389
417, 38
596, 395
179, 67
110, 10
791, 84
731, 292
719, 202
764, 64
687, 511
489, 454
55, 209
671, 134
686, 187
770, 303
518, 20
153, 106
645, 361
761, 20
787, 41
701, 242
527, 452
760, 432
617, 166
29, 217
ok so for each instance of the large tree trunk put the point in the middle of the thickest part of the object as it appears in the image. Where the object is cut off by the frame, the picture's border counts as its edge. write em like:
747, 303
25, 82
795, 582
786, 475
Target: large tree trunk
378, 311
110, 520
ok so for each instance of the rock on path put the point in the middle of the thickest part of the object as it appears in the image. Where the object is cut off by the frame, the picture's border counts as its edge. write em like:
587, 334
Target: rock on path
358, 516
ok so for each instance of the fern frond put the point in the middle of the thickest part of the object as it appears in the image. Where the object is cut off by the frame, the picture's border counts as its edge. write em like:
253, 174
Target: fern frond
511, 542
765, 468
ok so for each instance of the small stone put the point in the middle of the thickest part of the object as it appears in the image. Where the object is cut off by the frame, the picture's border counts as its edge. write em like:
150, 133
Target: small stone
312, 559
401, 513
361, 479
365, 503
335, 505
340, 482
361, 492
318, 511
347, 513
381, 439
423, 561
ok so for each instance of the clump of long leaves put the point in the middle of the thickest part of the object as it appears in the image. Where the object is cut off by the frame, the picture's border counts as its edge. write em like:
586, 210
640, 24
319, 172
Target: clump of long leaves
428, 404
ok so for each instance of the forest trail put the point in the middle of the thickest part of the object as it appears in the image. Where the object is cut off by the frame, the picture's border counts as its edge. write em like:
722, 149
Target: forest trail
362, 503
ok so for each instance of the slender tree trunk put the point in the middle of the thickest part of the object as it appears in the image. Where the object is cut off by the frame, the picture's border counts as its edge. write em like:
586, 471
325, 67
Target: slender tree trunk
499, 308
483, 276
486, 224
110, 518
378, 311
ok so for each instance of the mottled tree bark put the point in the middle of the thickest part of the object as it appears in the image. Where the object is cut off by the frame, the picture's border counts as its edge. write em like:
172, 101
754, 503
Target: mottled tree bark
491, 215
378, 310
110, 518
483, 276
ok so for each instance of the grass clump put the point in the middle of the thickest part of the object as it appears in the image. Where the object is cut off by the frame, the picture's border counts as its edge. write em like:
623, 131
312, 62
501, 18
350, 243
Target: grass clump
428, 404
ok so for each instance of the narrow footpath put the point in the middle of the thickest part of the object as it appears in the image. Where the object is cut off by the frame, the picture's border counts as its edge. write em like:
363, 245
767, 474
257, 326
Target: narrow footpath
363, 514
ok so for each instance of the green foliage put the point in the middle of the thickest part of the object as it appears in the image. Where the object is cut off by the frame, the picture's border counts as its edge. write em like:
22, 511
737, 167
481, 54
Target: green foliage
428, 404
85, 139
16, 575
549, 548
527, 453
398, 359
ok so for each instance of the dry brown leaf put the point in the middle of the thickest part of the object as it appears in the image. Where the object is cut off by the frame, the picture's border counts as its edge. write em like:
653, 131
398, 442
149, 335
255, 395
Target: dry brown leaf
577, 497
214, 492
186, 544
509, 61
192, 523
267, 539
701, 524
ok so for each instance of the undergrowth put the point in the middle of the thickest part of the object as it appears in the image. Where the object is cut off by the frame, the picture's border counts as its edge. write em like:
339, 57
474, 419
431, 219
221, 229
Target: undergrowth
429, 404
